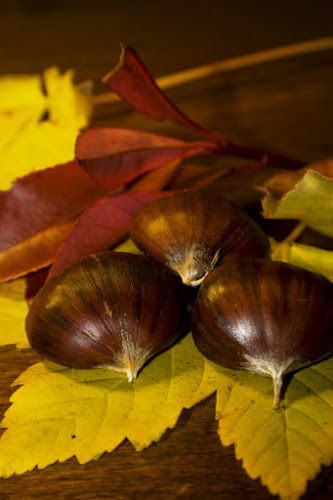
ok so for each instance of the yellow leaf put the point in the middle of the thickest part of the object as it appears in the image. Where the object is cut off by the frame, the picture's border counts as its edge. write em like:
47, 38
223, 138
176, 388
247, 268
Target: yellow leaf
13, 310
60, 412
20, 91
21, 103
309, 257
38, 131
67, 104
128, 246
311, 201
284, 447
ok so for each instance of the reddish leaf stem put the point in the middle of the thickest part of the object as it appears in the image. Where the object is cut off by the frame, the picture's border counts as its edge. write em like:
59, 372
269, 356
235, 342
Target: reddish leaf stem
262, 156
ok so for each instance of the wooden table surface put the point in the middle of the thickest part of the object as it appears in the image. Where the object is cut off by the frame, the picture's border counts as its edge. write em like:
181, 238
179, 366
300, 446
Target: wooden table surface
285, 106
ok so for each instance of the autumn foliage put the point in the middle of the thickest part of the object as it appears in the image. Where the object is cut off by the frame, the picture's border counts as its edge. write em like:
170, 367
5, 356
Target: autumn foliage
77, 194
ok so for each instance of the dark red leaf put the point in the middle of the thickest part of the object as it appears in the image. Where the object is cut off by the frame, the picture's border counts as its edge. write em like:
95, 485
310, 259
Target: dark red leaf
131, 81
33, 253
156, 179
196, 176
44, 198
100, 227
115, 156
37, 214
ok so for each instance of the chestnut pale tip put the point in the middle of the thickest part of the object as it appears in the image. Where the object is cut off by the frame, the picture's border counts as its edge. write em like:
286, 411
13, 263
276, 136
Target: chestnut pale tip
193, 267
130, 359
131, 371
271, 369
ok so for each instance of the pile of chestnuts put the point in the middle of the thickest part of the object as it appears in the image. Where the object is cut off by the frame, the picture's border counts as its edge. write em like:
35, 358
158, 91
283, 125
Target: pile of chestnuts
118, 310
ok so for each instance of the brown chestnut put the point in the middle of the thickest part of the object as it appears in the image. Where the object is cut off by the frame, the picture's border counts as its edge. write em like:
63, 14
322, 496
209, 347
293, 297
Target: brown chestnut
191, 231
265, 317
112, 309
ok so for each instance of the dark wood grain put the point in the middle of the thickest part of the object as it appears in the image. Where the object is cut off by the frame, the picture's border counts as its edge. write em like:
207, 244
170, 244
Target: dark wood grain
285, 106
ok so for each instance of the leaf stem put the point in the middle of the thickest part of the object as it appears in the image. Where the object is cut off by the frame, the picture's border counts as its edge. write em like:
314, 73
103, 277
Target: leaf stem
295, 233
262, 156
276, 246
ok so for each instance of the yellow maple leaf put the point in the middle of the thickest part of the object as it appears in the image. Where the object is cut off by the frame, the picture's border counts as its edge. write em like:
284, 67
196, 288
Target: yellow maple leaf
87, 412
61, 412
284, 447
37, 130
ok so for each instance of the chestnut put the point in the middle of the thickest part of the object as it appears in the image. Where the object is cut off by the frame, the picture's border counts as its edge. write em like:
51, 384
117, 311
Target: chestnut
112, 310
191, 232
265, 317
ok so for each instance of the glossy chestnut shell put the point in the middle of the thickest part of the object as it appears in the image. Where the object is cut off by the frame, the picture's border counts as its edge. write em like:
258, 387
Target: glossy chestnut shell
191, 231
266, 317
112, 309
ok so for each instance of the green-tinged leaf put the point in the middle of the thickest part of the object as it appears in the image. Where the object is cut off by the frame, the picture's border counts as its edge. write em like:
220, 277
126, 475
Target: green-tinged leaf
13, 310
284, 447
309, 257
311, 201
37, 130
60, 412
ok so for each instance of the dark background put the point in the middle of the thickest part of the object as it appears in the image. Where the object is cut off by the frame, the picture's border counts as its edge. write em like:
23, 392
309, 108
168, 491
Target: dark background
170, 35
285, 106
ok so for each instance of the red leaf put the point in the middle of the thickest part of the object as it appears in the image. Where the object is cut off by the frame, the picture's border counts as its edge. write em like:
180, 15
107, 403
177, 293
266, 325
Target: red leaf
131, 81
33, 253
44, 198
115, 156
100, 227
156, 179
37, 214
197, 176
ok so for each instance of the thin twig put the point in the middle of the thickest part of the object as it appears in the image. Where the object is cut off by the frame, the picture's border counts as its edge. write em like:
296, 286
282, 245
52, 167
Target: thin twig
234, 63
295, 233
280, 250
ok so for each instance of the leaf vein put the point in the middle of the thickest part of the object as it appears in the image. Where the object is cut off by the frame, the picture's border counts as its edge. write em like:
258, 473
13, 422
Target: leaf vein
266, 450
317, 369
313, 420
315, 393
